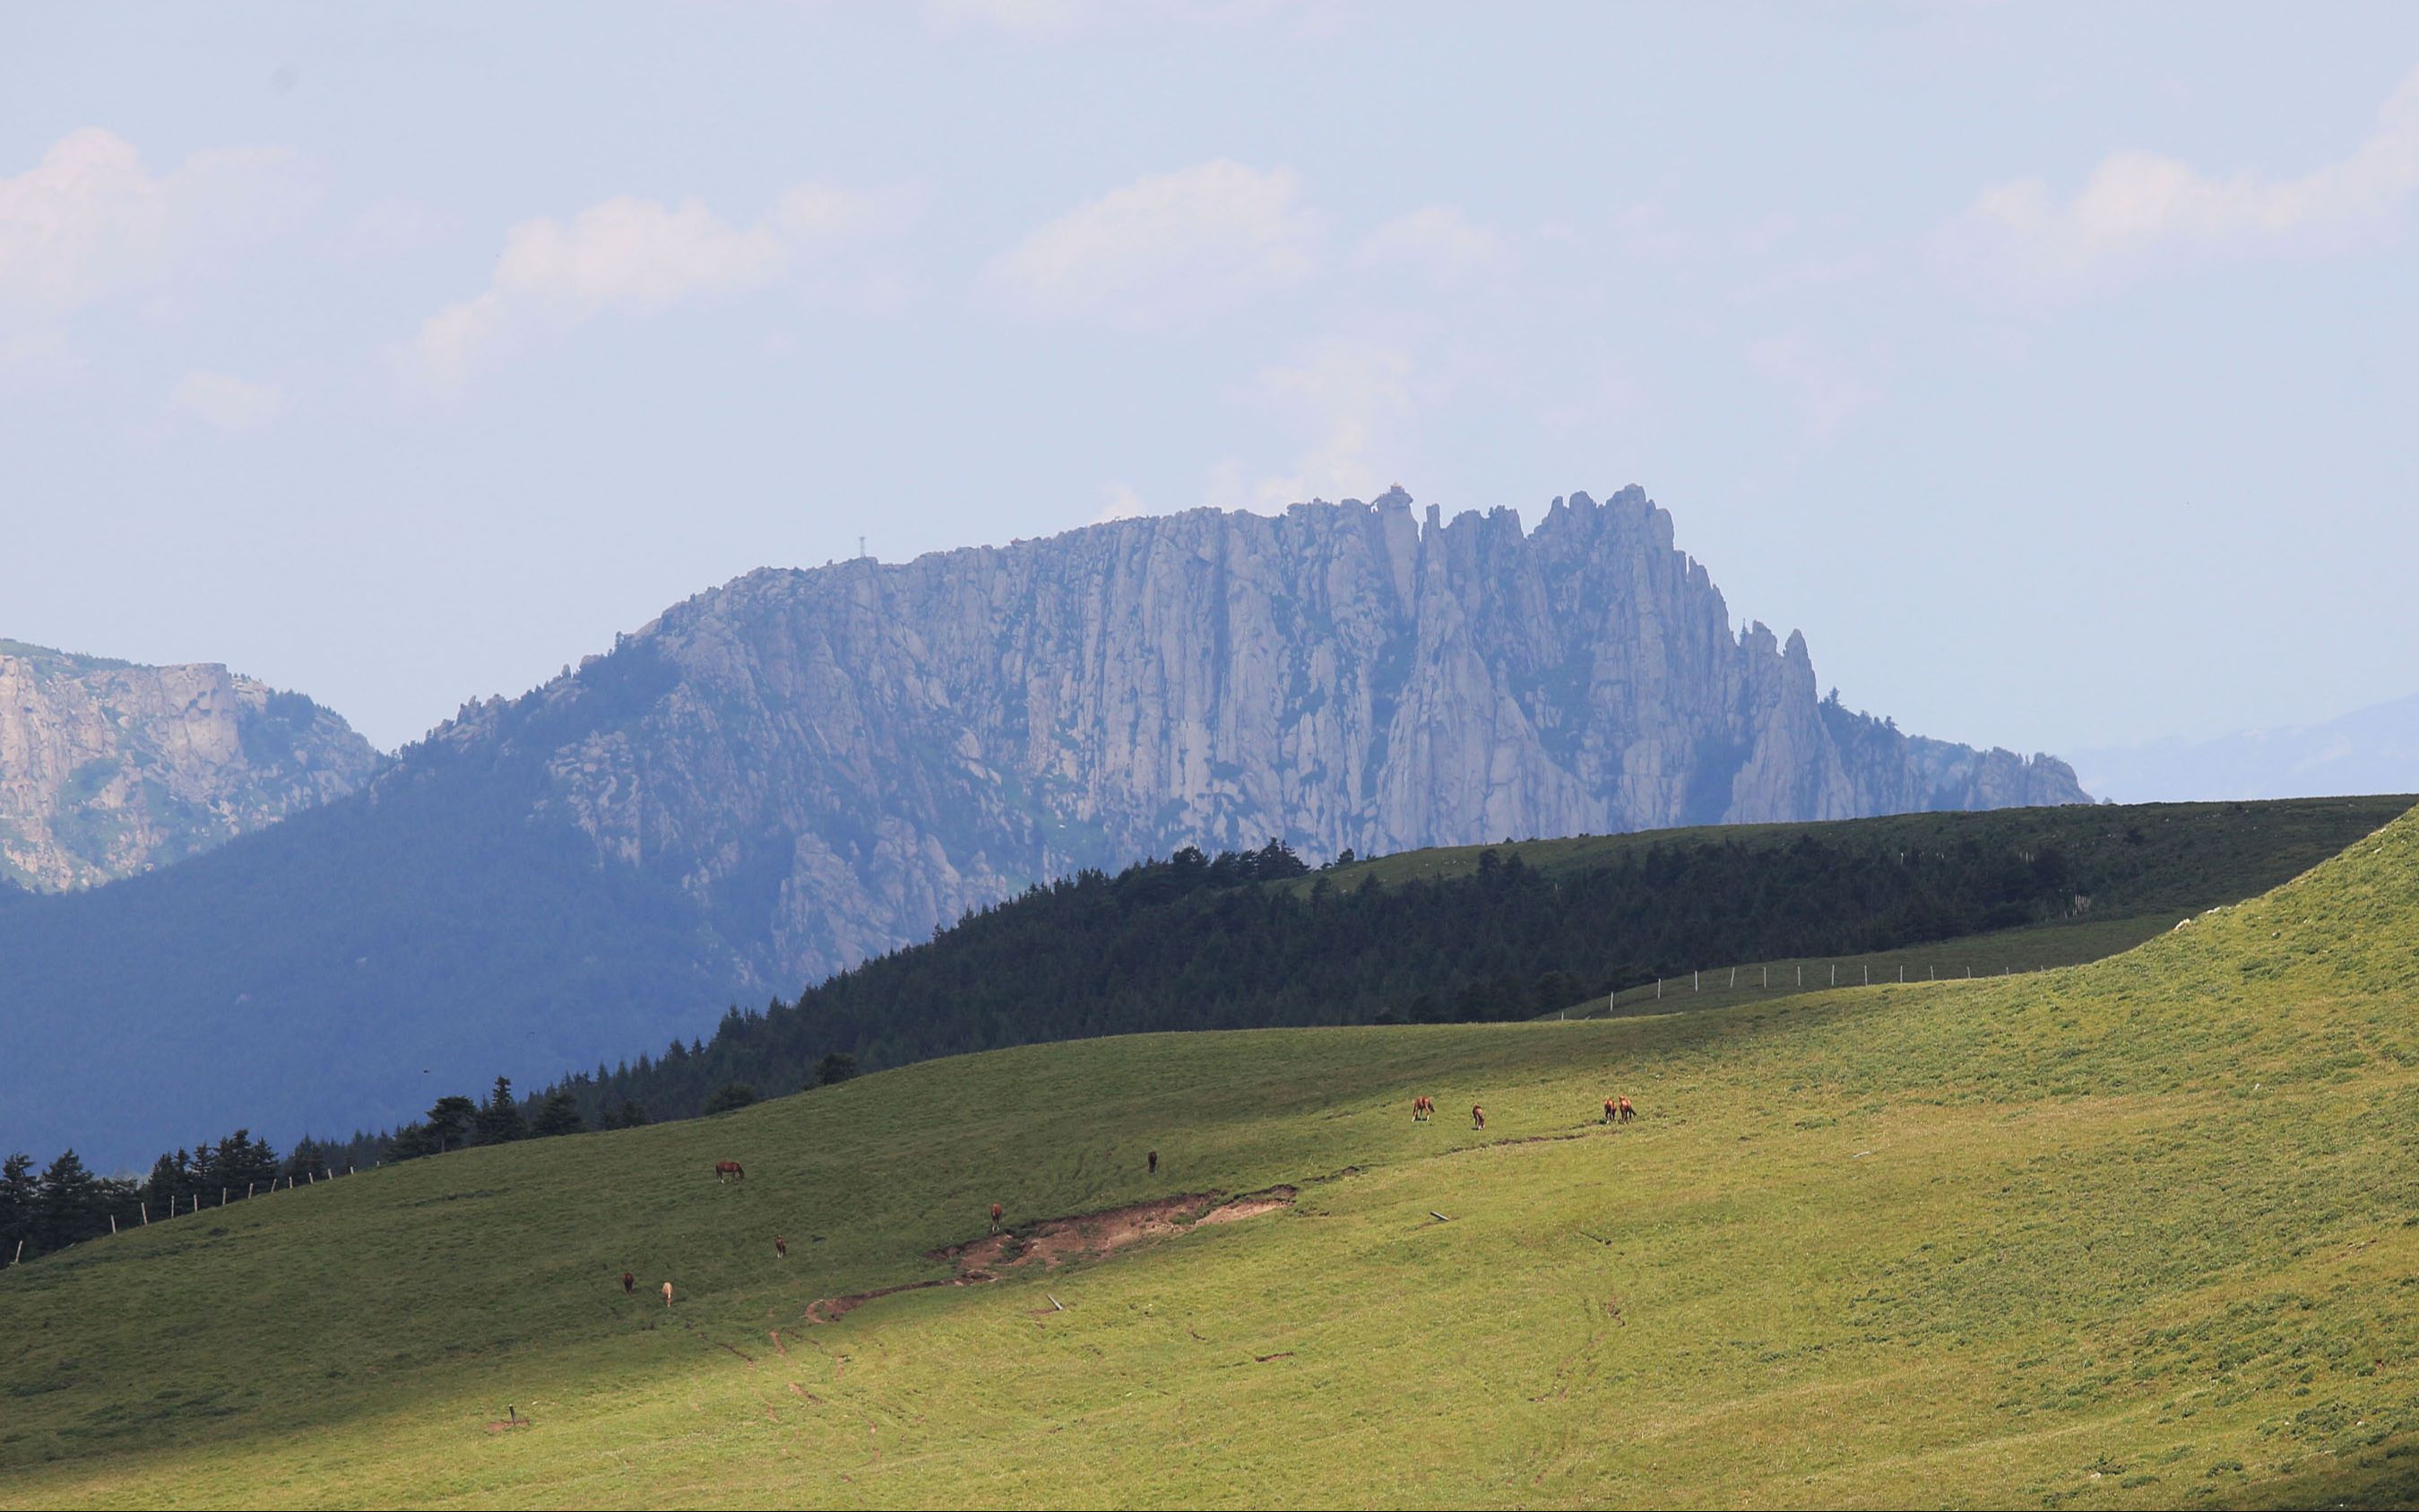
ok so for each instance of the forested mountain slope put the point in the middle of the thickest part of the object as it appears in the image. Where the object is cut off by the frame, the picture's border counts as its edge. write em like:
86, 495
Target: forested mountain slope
1509, 932
802, 770
2132, 1234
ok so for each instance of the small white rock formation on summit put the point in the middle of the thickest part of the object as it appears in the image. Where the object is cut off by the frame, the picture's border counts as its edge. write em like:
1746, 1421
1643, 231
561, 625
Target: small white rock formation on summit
835, 762
108, 769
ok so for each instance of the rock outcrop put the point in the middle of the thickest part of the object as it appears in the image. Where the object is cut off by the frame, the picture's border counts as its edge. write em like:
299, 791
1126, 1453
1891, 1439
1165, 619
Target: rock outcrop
108, 769
835, 762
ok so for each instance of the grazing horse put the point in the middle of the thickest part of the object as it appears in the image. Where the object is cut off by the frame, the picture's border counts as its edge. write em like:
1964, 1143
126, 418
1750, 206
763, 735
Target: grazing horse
1624, 1110
629, 1285
667, 1293
781, 1246
995, 1217
1610, 1112
1423, 1108
1154, 1163
729, 1170
1477, 1117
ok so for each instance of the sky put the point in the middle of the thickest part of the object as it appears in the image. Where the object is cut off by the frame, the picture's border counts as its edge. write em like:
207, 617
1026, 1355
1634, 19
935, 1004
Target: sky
2054, 368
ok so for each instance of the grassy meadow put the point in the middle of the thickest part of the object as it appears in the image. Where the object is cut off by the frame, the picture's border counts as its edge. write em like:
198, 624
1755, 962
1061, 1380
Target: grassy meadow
2143, 1232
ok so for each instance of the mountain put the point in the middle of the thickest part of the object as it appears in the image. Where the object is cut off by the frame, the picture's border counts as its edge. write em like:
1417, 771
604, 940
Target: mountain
2375, 750
108, 769
2136, 1234
800, 770
837, 762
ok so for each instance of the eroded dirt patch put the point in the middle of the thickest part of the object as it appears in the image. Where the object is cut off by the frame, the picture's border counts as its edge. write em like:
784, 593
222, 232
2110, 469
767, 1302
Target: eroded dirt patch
1053, 1241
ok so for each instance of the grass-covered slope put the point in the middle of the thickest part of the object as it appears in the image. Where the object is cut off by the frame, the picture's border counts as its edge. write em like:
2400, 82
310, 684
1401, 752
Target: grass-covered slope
1514, 930
2144, 1232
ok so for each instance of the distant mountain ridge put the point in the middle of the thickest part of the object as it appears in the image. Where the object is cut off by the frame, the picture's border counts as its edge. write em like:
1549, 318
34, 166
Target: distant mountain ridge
789, 774
2371, 750
108, 769
844, 759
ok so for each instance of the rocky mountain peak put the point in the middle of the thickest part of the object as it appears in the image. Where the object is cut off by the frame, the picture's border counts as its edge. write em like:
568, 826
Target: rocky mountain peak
834, 762
108, 769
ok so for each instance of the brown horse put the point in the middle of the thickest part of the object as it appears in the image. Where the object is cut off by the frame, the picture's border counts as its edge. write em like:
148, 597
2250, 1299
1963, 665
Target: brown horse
995, 1217
629, 1285
729, 1170
1154, 1163
1625, 1111
1423, 1108
1477, 1117
1611, 1110
781, 1246
667, 1293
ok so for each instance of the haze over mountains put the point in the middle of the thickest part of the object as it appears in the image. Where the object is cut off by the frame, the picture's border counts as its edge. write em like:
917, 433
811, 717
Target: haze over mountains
783, 776
108, 769
2371, 750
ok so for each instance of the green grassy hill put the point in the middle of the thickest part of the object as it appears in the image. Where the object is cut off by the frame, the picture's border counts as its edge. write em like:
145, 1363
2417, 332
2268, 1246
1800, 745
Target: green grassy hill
1516, 931
2143, 1232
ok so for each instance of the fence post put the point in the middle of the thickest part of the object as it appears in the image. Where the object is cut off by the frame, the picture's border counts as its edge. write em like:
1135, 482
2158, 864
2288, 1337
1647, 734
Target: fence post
222, 1197
113, 1225
249, 1187
147, 1215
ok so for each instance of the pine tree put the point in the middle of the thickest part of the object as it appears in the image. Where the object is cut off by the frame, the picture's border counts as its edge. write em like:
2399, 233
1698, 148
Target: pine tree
167, 1182
414, 1140
499, 1120
67, 1203
17, 1194
837, 1066
449, 1122
309, 1159
559, 1115
731, 1097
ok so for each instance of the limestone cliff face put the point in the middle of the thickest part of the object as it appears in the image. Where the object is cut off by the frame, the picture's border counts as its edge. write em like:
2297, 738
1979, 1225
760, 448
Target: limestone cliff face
836, 762
108, 769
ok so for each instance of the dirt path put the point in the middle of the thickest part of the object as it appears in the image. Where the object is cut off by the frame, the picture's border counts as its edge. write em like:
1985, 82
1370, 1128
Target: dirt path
1053, 1241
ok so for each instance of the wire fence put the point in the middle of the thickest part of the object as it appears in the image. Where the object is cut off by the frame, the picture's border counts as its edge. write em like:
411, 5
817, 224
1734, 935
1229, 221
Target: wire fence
180, 1205
1786, 977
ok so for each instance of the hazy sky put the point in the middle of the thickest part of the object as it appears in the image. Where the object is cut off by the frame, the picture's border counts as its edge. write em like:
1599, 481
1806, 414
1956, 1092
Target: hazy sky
2057, 370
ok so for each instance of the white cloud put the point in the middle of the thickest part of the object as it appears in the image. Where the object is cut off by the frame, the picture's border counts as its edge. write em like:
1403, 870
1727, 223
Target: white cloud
89, 220
1352, 400
1438, 242
227, 401
392, 226
633, 253
1123, 503
1008, 15
1166, 250
1054, 18
2138, 208
1826, 394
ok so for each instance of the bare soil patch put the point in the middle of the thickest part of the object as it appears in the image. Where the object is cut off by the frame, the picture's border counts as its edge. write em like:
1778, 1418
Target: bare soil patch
1053, 1241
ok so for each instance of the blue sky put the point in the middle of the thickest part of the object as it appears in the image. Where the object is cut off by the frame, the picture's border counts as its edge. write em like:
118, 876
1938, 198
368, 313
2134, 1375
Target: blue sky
2052, 368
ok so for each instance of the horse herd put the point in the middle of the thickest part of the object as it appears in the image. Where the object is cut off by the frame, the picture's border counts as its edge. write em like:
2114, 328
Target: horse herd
1616, 1110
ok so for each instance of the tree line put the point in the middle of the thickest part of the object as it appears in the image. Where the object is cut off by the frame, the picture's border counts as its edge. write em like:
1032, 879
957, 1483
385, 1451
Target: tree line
66, 1202
1239, 941
1258, 938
